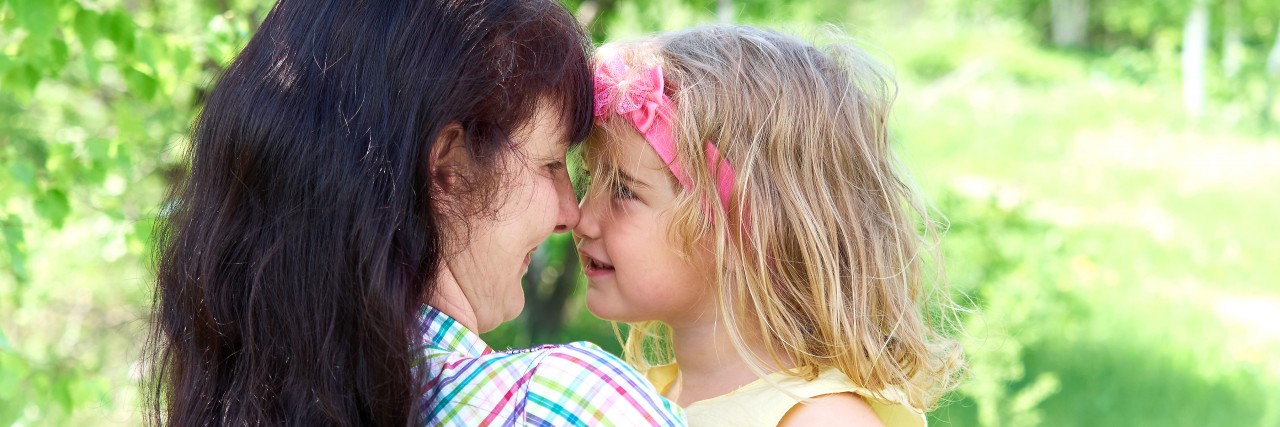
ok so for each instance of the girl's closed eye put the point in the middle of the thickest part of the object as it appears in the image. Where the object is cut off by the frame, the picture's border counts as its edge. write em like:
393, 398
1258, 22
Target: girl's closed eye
623, 192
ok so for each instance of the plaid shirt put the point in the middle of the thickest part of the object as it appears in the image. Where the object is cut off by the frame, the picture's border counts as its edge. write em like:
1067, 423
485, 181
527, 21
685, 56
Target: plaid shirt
578, 384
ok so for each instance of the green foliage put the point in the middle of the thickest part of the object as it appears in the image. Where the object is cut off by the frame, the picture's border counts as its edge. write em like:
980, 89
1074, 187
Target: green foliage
95, 100
1010, 279
1104, 243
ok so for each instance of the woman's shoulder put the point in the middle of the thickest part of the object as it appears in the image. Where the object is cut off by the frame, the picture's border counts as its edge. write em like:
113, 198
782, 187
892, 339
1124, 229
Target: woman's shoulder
574, 382
586, 364
570, 384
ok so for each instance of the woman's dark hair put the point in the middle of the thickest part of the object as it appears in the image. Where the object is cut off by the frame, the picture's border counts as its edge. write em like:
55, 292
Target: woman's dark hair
295, 257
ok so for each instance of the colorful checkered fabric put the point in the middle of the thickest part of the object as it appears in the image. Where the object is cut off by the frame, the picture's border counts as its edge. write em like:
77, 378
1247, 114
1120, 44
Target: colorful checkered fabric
578, 384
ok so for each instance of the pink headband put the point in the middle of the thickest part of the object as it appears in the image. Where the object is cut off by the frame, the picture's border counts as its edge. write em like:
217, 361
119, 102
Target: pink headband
641, 101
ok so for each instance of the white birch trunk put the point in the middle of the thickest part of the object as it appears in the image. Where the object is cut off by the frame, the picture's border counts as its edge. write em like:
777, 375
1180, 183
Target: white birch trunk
1070, 22
1232, 40
1195, 47
725, 12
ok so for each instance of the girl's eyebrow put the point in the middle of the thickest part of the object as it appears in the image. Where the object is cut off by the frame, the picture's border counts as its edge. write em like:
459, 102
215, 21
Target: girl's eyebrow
630, 180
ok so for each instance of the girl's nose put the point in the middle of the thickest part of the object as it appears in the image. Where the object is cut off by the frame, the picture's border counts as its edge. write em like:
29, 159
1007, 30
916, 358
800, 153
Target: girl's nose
588, 225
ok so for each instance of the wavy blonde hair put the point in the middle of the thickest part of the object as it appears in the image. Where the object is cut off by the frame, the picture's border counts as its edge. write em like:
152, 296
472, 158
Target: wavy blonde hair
826, 255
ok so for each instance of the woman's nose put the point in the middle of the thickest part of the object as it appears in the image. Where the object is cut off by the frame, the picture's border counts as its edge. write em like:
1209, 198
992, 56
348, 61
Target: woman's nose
569, 213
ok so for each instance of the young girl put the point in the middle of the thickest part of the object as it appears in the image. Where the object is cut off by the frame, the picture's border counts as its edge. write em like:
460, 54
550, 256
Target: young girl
746, 214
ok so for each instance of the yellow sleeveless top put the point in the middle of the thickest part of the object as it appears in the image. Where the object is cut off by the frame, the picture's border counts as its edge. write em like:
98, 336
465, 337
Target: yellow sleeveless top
761, 404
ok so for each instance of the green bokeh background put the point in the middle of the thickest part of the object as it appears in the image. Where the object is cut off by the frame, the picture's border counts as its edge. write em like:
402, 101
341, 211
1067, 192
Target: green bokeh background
1115, 247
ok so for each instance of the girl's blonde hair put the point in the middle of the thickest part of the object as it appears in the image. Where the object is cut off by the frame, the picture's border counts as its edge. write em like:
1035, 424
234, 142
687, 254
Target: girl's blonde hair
826, 255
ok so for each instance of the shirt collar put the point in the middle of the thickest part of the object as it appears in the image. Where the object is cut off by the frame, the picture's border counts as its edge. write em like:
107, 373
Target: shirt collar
441, 332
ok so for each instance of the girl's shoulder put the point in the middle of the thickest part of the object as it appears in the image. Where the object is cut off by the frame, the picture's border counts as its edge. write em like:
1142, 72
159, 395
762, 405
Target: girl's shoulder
767, 401
839, 409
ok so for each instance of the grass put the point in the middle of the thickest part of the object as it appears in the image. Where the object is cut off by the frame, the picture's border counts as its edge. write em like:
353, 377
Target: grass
1168, 264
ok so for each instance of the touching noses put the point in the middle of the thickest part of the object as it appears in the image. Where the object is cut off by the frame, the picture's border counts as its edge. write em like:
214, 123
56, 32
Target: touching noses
568, 212
588, 227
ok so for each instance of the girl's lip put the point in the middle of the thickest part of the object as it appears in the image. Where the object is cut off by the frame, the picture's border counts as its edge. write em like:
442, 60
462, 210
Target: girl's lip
593, 268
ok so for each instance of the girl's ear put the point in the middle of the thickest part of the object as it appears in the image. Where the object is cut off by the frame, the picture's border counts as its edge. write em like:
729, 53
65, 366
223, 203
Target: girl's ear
449, 159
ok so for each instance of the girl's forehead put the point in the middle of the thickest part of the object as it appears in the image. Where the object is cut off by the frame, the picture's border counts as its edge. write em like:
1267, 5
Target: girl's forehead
628, 150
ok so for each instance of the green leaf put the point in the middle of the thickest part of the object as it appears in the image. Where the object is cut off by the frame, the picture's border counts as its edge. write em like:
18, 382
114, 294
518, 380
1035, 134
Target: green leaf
59, 53
62, 389
88, 27
140, 237
25, 173
182, 57
119, 28
123, 158
39, 17
140, 84
53, 206
21, 82
99, 149
90, 65
13, 370
17, 247
151, 50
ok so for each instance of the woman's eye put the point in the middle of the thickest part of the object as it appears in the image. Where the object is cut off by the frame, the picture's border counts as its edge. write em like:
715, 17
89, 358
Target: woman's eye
555, 166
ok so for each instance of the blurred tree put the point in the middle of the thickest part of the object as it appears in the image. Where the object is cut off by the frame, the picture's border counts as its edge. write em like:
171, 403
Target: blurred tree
1070, 22
1272, 79
553, 277
724, 11
1195, 47
1232, 42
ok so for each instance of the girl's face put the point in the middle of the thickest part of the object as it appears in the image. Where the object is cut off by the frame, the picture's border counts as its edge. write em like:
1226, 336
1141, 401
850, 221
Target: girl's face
634, 271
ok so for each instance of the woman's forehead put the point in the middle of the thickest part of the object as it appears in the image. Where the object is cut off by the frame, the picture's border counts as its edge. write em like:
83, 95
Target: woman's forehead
545, 132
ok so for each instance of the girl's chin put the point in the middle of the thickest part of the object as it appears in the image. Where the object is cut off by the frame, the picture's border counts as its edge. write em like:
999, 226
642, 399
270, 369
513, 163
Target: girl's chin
600, 308
611, 311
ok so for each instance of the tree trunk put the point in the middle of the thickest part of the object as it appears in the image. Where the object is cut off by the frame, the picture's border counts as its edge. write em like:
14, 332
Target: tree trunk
1070, 22
592, 14
551, 280
725, 11
1195, 47
1232, 40
1273, 81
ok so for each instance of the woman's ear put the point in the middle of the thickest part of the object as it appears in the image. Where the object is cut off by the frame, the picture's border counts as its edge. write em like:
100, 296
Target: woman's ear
449, 159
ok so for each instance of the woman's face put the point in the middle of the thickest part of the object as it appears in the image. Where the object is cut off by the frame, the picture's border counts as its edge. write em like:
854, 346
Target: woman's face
535, 200
634, 271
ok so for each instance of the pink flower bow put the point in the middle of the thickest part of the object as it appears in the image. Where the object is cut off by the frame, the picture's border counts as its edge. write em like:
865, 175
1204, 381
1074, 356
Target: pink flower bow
641, 101
639, 98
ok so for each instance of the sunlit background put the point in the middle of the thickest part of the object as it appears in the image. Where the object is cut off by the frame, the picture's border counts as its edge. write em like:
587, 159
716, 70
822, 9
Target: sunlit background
1108, 169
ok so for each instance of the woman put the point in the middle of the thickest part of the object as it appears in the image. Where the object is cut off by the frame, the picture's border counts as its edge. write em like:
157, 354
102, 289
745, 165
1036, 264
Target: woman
357, 160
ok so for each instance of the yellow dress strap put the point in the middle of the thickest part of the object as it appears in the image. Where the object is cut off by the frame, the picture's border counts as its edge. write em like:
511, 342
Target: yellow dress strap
761, 404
